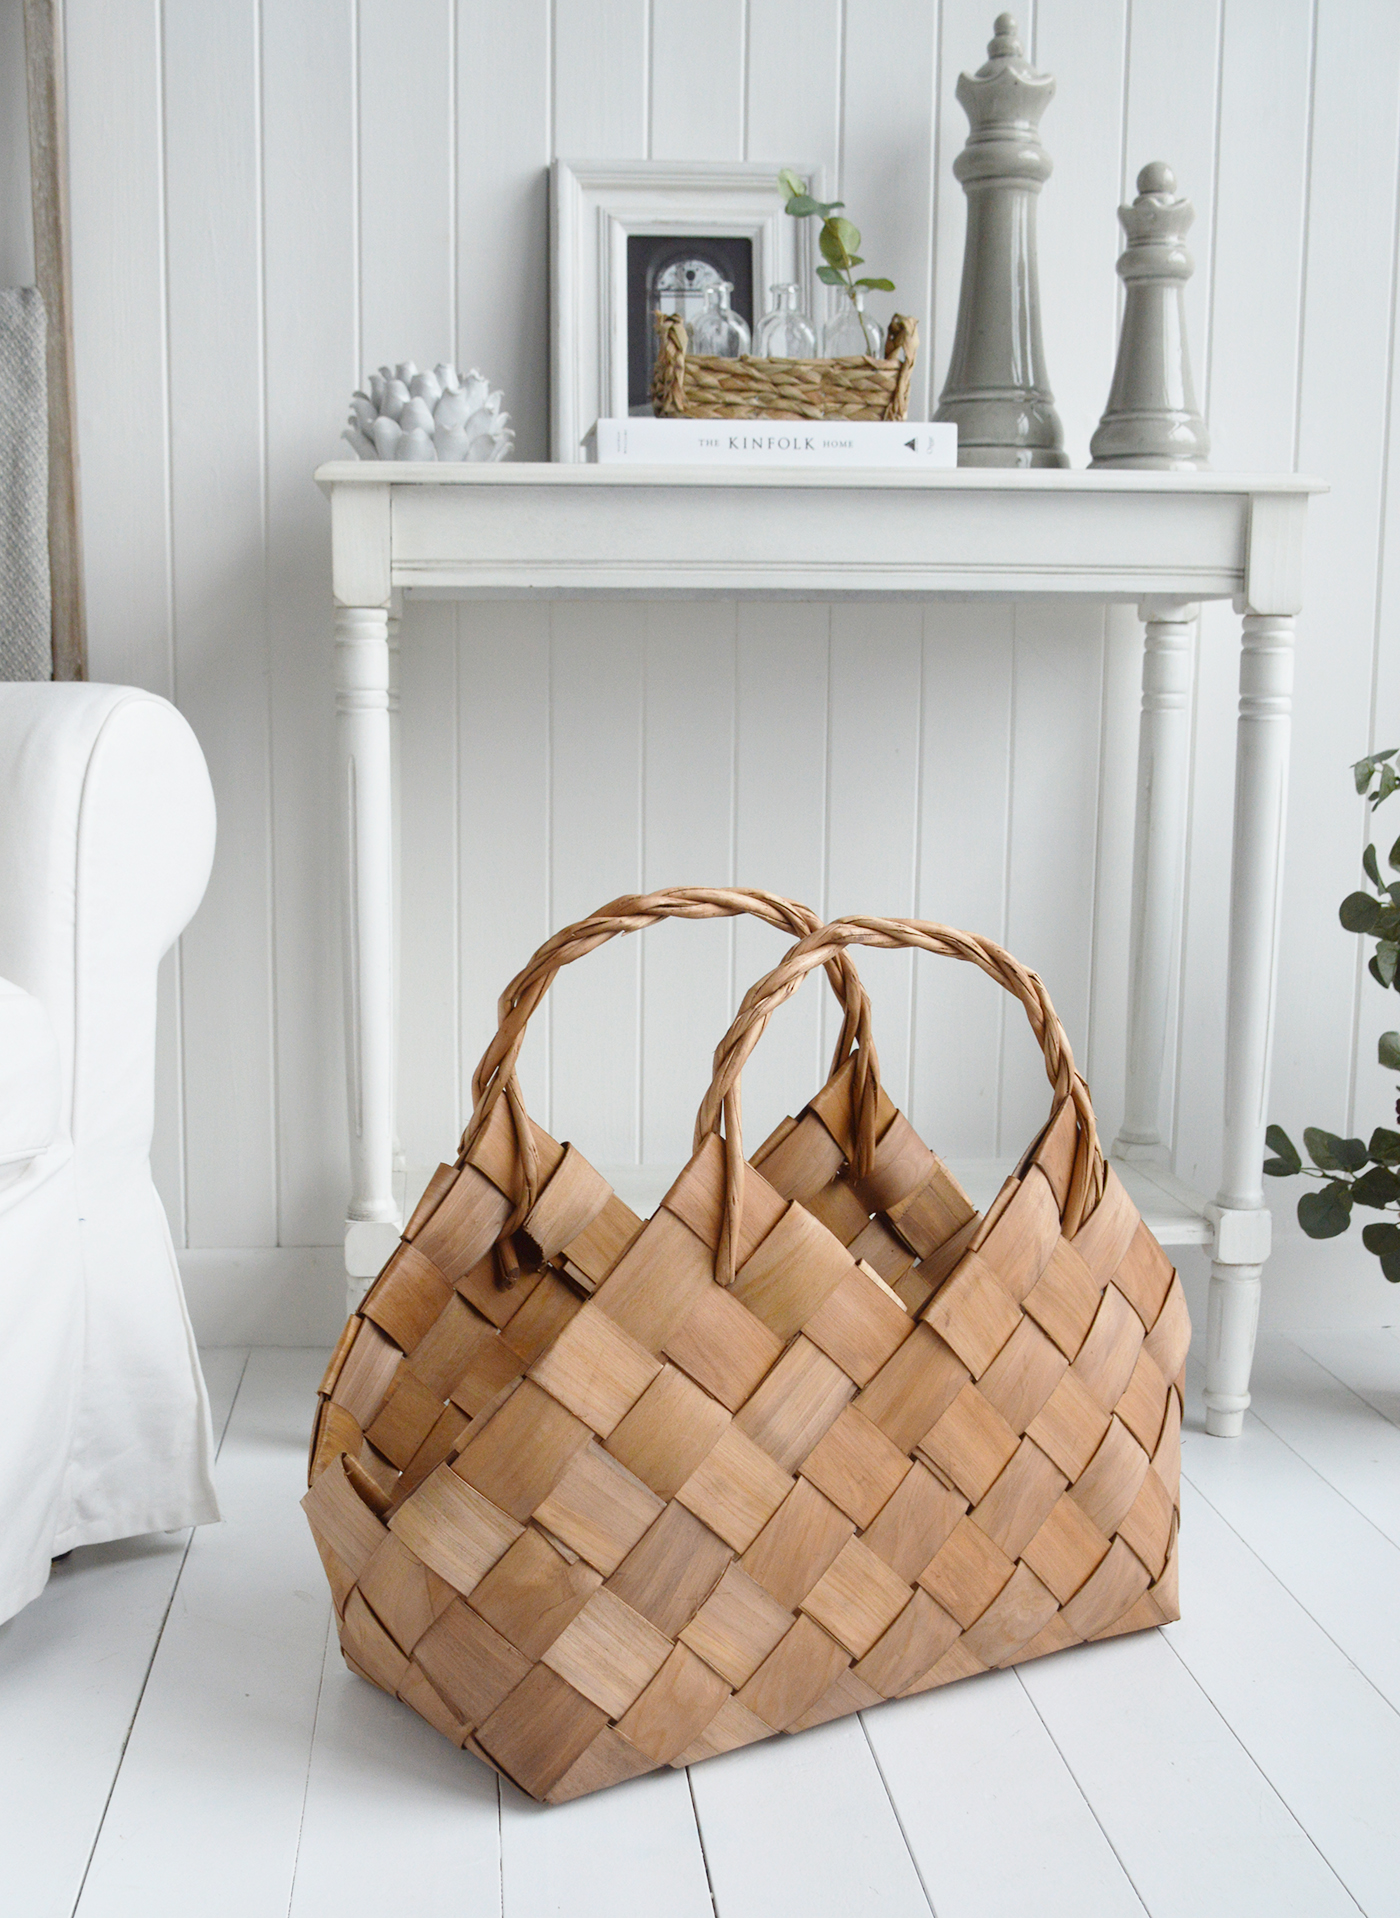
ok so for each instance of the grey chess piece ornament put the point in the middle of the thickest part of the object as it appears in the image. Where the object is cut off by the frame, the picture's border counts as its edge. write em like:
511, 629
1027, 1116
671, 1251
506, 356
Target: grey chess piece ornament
996, 391
1151, 419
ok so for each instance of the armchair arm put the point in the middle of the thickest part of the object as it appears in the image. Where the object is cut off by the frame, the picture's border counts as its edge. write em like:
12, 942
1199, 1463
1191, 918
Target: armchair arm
31, 1079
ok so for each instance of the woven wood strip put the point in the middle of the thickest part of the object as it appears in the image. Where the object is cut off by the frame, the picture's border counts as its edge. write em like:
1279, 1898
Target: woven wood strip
631, 1517
698, 387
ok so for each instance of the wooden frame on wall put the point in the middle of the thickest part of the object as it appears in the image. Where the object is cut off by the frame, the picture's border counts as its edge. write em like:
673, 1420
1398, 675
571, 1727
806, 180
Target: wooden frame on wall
595, 206
48, 169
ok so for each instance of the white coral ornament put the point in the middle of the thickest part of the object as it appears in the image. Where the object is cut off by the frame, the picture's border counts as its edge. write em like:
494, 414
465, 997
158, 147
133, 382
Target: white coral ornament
442, 415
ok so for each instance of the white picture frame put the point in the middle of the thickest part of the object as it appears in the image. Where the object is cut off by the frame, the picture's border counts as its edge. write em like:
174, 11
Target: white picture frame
595, 205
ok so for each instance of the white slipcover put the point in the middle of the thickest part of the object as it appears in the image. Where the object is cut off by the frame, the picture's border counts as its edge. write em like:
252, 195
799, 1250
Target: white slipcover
106, 840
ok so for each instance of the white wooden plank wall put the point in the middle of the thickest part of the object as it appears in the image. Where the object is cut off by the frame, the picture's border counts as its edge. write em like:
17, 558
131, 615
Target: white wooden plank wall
272, 196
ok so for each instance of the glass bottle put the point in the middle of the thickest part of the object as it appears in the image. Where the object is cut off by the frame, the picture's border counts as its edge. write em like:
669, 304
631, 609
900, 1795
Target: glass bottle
850, 330
719, 331
785, 332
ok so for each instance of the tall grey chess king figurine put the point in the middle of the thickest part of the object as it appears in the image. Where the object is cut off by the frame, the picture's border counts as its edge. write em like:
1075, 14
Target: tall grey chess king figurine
996, 391
1151, 418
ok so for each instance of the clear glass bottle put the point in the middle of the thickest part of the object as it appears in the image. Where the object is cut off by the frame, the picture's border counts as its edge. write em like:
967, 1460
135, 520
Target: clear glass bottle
850, 330
785, 332
719, 331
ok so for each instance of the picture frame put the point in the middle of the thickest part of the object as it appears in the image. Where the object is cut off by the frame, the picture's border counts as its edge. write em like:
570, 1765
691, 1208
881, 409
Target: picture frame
619, 227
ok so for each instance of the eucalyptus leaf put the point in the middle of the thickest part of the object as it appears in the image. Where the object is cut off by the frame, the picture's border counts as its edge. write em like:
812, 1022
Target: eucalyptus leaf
1285, 1160
1359, 912
847, 232
1390, 1267
1364, 769
829, 276
791, 184
1332, 1154
1386, 785
1387, 954
1388, 1050
1381, 1238
1384, 1146
1371, 866
1377, 1188
829, 240
801, 204
1374, 970
878, 286
1325, 1214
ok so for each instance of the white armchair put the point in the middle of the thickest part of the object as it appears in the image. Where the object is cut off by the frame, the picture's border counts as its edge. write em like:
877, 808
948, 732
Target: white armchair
106, 840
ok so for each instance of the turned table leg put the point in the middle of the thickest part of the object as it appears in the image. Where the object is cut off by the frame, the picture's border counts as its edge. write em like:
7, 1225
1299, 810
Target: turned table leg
1159, 859
1242, 1223
363, 731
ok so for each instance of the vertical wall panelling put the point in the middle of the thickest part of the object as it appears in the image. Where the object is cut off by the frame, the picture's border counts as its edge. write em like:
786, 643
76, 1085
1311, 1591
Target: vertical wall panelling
794, 85
1173, 86
212, 103
1054, 821
595, 854
430, 858
1249, 390
116, 187
697, 80
407, 84
1373, 1098
961, 878
501, 864
308, 153
1252, 377
601, 71
687, 839
1101, 1047
780, 827
890, 117
115, 190
1347, 327
1077, 226
873, 803
501, 157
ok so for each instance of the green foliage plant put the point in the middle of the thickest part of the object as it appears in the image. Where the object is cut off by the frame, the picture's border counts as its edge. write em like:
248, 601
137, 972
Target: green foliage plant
838, 240
1354, 1172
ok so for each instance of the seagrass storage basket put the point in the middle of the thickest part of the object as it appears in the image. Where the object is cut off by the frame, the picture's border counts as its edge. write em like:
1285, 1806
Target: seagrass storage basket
596, 1495
687, 386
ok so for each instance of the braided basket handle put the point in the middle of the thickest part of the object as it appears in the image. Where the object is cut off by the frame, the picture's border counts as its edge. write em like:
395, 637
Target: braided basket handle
495, 1078
721, 1111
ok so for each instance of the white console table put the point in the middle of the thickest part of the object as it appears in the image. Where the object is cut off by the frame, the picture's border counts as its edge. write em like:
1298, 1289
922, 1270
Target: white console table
1163, 540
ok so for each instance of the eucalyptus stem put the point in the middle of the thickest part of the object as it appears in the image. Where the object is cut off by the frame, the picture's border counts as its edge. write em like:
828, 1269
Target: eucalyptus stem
838, 239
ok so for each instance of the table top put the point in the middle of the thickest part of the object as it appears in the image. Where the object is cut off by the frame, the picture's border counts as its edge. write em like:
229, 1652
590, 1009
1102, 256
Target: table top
973, 479
829, 532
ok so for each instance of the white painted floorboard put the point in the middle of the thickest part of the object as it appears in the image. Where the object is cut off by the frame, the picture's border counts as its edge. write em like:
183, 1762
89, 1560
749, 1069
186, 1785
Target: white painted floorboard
178, 1732
72, 1668
377, 1769
211, 1788
972, 1764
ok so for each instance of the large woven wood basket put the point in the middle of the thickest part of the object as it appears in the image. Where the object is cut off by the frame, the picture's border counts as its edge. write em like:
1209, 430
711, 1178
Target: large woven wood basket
688, 386
596, 1495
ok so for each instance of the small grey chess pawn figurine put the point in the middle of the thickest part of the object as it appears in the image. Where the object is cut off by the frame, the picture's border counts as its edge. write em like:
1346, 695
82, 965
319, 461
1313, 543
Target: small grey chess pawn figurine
996, 391
1151, 419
